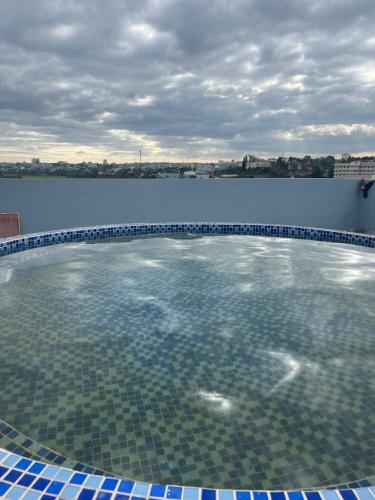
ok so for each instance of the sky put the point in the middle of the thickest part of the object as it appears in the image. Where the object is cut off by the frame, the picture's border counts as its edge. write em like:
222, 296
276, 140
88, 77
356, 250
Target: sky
185, 80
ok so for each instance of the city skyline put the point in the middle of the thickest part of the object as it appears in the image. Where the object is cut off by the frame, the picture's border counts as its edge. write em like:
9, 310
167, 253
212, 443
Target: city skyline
136, 161
186, 81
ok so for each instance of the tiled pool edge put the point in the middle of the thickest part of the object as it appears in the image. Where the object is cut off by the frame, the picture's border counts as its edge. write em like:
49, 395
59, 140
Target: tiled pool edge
12, 477
25, 242
23, 478
16, 442
21, 445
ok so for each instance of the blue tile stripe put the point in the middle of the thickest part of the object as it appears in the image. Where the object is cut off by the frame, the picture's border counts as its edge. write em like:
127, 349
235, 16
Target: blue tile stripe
29, 479
16, 442
18, 244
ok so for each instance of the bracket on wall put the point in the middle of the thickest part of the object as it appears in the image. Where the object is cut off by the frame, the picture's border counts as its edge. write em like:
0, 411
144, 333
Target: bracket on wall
365, 187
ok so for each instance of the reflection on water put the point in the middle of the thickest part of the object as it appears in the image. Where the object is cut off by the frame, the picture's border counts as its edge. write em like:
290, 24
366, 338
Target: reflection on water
228, 361
216, 401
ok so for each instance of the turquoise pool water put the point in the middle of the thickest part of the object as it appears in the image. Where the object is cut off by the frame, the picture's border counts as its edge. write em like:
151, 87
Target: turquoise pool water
231, 361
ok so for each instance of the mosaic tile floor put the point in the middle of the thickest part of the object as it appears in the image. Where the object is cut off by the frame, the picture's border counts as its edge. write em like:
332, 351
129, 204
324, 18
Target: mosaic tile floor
220, 361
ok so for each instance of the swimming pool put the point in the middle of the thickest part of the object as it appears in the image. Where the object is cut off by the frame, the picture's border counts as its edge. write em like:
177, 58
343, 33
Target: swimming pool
224, 361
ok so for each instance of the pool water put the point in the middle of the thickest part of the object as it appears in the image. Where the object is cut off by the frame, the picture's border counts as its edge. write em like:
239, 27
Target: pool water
223, 361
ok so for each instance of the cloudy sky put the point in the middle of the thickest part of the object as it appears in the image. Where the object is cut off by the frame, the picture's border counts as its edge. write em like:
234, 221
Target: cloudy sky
185, 79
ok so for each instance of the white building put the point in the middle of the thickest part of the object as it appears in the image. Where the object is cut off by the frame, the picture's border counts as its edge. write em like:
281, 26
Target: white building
255, 162
355, 170
225, 164
258, 163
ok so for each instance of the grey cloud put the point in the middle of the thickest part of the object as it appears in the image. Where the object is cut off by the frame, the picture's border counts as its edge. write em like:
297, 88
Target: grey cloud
192, 79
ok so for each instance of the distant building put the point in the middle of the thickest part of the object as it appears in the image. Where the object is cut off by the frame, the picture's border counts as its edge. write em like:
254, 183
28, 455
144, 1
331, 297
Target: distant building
105, 162
227, 164
294, 163
35, 161
301, 164
205, 169
190, 174
251, 161
355, 170
345, 156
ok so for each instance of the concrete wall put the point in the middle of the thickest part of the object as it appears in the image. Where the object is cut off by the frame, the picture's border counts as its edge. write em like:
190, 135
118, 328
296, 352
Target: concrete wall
60, 203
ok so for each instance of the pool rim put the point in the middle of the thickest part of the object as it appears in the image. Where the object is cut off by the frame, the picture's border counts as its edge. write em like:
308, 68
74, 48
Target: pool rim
20, 243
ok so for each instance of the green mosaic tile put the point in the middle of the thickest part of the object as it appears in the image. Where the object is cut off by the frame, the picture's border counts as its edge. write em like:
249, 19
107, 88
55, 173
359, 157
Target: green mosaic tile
231, 362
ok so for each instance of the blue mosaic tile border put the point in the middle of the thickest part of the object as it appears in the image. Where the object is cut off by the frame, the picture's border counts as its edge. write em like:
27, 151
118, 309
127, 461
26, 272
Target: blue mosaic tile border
20, 445
20, 243
16, 442
26, 479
